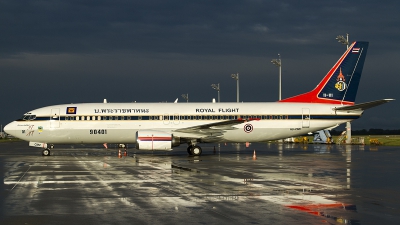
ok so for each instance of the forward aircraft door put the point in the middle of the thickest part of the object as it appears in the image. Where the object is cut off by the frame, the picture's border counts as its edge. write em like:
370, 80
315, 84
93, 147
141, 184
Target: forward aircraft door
55, 118
305, 118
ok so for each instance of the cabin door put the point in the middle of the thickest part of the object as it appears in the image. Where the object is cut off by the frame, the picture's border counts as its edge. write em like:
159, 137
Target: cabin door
55, 118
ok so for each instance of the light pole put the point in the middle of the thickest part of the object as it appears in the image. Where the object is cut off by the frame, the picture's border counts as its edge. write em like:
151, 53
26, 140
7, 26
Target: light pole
278, 63
216, 87
236, 77
186, 97
345, 41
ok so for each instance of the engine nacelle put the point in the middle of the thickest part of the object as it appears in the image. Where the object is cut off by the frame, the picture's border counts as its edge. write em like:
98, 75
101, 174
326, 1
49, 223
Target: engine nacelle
155, 140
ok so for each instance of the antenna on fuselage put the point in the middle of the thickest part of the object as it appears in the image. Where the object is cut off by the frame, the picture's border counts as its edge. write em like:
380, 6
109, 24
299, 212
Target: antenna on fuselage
105, 100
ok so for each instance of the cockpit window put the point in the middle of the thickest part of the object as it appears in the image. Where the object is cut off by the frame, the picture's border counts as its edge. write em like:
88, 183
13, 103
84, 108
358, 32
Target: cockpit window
28, 117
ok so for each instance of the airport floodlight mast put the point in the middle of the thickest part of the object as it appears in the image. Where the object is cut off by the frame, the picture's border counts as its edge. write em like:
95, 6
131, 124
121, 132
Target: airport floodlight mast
278, 63
186, 97
216, 87
343, 40
236, 77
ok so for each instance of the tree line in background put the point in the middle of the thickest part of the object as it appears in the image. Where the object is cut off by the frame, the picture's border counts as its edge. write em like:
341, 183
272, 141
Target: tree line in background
372, 131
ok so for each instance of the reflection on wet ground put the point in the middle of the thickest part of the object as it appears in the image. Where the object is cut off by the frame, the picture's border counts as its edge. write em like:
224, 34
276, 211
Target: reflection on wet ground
230, 184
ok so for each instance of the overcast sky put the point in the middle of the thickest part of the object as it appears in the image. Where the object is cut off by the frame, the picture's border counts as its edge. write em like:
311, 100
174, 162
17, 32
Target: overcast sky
64, 51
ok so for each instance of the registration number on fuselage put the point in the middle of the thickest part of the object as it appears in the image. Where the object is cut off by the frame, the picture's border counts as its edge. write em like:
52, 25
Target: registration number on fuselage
101, 131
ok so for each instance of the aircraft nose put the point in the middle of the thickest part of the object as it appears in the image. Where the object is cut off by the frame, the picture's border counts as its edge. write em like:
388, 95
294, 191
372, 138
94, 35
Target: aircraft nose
8, 128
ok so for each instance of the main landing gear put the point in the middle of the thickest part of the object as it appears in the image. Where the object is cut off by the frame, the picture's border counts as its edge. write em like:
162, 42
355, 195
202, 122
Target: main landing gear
194, 150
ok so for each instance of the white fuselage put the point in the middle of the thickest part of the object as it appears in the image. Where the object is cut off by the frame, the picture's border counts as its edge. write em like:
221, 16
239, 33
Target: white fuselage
118, 122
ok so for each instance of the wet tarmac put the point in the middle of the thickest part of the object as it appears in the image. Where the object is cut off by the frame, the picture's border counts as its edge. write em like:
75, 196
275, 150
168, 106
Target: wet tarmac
285, 184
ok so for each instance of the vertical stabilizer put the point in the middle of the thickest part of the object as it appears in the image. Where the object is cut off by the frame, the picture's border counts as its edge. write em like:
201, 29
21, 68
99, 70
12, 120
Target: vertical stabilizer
340, 85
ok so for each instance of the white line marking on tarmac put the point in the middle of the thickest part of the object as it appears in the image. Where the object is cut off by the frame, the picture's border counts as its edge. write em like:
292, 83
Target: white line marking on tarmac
20, 178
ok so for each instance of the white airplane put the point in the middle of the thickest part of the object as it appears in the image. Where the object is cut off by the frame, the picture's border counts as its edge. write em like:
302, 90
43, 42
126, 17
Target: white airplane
162, 126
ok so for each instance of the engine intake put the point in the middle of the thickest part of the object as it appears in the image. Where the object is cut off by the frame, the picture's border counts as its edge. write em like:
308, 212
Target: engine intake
155, 140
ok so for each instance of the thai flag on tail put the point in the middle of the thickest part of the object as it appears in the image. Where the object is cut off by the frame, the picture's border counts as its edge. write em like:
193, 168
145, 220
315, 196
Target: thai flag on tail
355, 50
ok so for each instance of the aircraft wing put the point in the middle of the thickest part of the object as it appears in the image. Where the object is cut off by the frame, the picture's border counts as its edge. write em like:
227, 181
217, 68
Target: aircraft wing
363, 106
209, 130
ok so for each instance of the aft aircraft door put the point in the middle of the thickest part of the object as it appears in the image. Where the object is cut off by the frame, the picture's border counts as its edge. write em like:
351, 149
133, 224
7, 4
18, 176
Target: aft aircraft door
55, 118
305, 118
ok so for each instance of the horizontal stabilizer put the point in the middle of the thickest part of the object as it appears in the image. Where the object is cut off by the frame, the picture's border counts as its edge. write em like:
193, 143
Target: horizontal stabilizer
364, 106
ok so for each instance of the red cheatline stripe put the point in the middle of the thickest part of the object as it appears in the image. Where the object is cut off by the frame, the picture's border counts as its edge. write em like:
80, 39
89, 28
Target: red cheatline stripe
155, 138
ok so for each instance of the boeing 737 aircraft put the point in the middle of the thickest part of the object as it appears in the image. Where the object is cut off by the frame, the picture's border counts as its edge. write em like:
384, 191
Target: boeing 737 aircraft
162, 126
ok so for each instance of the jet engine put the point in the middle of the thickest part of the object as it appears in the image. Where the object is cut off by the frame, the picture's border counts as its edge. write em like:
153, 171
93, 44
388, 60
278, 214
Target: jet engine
155, 140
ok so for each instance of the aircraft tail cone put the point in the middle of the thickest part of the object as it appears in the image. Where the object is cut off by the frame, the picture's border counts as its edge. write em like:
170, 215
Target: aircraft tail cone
254, 155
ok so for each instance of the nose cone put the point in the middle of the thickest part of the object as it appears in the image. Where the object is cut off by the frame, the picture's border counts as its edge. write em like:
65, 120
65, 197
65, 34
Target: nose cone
10, 128
7, 128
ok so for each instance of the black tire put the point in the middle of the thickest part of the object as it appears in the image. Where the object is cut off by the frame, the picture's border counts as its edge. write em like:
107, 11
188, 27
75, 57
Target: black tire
196, 150
46, 152
189, 149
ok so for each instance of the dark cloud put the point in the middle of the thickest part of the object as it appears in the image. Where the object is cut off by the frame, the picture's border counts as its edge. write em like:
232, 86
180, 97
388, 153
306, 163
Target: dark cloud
81, 51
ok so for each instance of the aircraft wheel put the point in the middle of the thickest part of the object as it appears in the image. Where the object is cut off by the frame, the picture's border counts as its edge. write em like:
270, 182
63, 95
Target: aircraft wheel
189, 149
46, 152
196, 150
